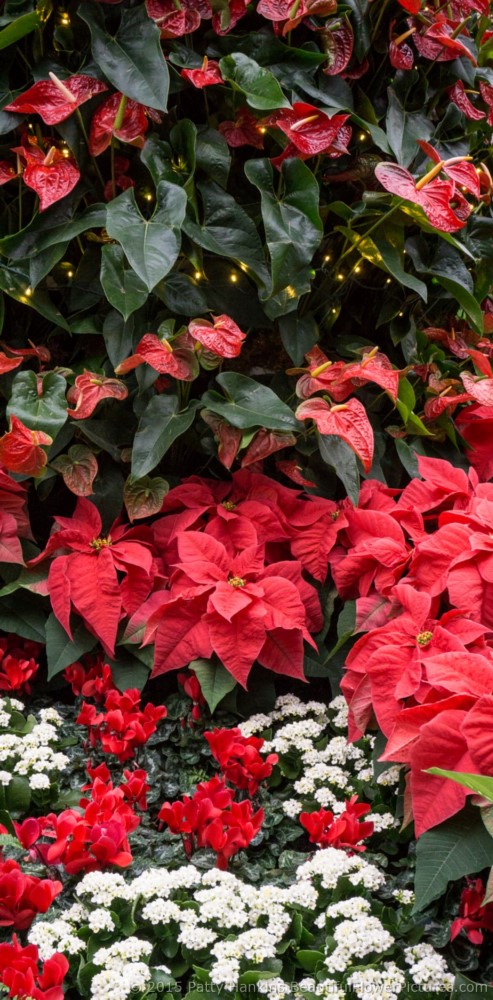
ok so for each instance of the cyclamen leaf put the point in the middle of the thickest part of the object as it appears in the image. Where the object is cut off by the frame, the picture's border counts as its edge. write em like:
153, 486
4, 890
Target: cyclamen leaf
132, 59
151, 245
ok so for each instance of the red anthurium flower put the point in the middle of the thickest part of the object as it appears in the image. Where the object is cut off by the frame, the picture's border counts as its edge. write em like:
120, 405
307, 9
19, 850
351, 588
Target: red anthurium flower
40, 352
444, 31
433, 38
89, 389
223, 337
21, 449
244, 131
178, 17
228, 438
239, 758
486, 91
474, 918
55, 100
400, 54
412, 6
266, 443
226, 15
49, 172
460, 170
345, 420
208, 74
458, 95
345, 832
290, 13
7, 172
310, 131
338, 42
177, 359
338, 378
430, 193
87, 577
290, 468
233, 605
120, 117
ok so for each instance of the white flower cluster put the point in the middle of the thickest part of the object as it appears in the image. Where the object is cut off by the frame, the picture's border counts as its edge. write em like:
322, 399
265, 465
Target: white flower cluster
386, 984
356, 938
34, 754
330, 774
428, 968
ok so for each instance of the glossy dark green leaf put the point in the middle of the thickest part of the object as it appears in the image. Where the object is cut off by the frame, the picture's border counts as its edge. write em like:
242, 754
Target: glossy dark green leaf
229, 231
19, 28
341, 457
122, 286
404, 128
47, 230
160, 424
293, 229
259, 86
132, 59
151, 245
15, 283
61, 651
44, 410
249, 404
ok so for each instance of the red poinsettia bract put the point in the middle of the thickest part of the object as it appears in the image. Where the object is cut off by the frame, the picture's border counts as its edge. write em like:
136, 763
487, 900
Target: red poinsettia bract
87, 577
230, 604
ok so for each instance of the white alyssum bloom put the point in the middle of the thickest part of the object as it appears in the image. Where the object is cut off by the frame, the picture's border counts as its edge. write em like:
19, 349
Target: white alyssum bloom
339, 706
100, 920
428, 969
5, 777
130, 949
381, 821
226, 973
386, 983
357, 906
274, 988
102, 887
4, 720
51, 715
196, 938
357, 938
130, 979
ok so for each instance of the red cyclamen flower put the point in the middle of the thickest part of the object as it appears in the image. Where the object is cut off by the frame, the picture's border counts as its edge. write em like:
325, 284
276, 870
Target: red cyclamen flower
239, 758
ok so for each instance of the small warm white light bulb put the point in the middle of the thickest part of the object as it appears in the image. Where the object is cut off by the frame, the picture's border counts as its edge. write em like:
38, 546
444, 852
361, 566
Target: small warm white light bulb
233, 277
388, 281
28, 291
198, 275
362, 136
357, 269
340, 277
327, 258
70, 274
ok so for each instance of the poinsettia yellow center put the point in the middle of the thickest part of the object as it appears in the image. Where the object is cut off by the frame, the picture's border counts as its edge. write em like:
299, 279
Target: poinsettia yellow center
100, 543
424, 638
236, 581
228, 505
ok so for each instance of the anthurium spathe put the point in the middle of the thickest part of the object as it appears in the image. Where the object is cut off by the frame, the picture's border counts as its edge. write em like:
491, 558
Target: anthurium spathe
120, 117
310, 131
223, 337
232, 605
85, 575
21, 449
89, 389
339, 378
55, 100
207, 75
348, 421
49, 171
290, 13
177, 359
433, 195
175, 19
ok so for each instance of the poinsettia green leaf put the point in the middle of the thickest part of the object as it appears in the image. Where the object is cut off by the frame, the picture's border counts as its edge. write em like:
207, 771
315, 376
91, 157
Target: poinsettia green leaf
160, 424
259, 85
41, 408
151, 245
458, 847
249, 404
61, 651
132, 58
215, 681
122, 286
293, 229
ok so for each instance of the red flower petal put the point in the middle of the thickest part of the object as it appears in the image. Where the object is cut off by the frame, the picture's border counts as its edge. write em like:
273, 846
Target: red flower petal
89, 389
48, 100
347, 421
223, 337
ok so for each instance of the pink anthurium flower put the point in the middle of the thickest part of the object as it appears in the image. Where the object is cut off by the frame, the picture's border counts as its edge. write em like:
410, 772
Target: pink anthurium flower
89, 389
348, 421
208, 74
177, 359
51, 173
433, 195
